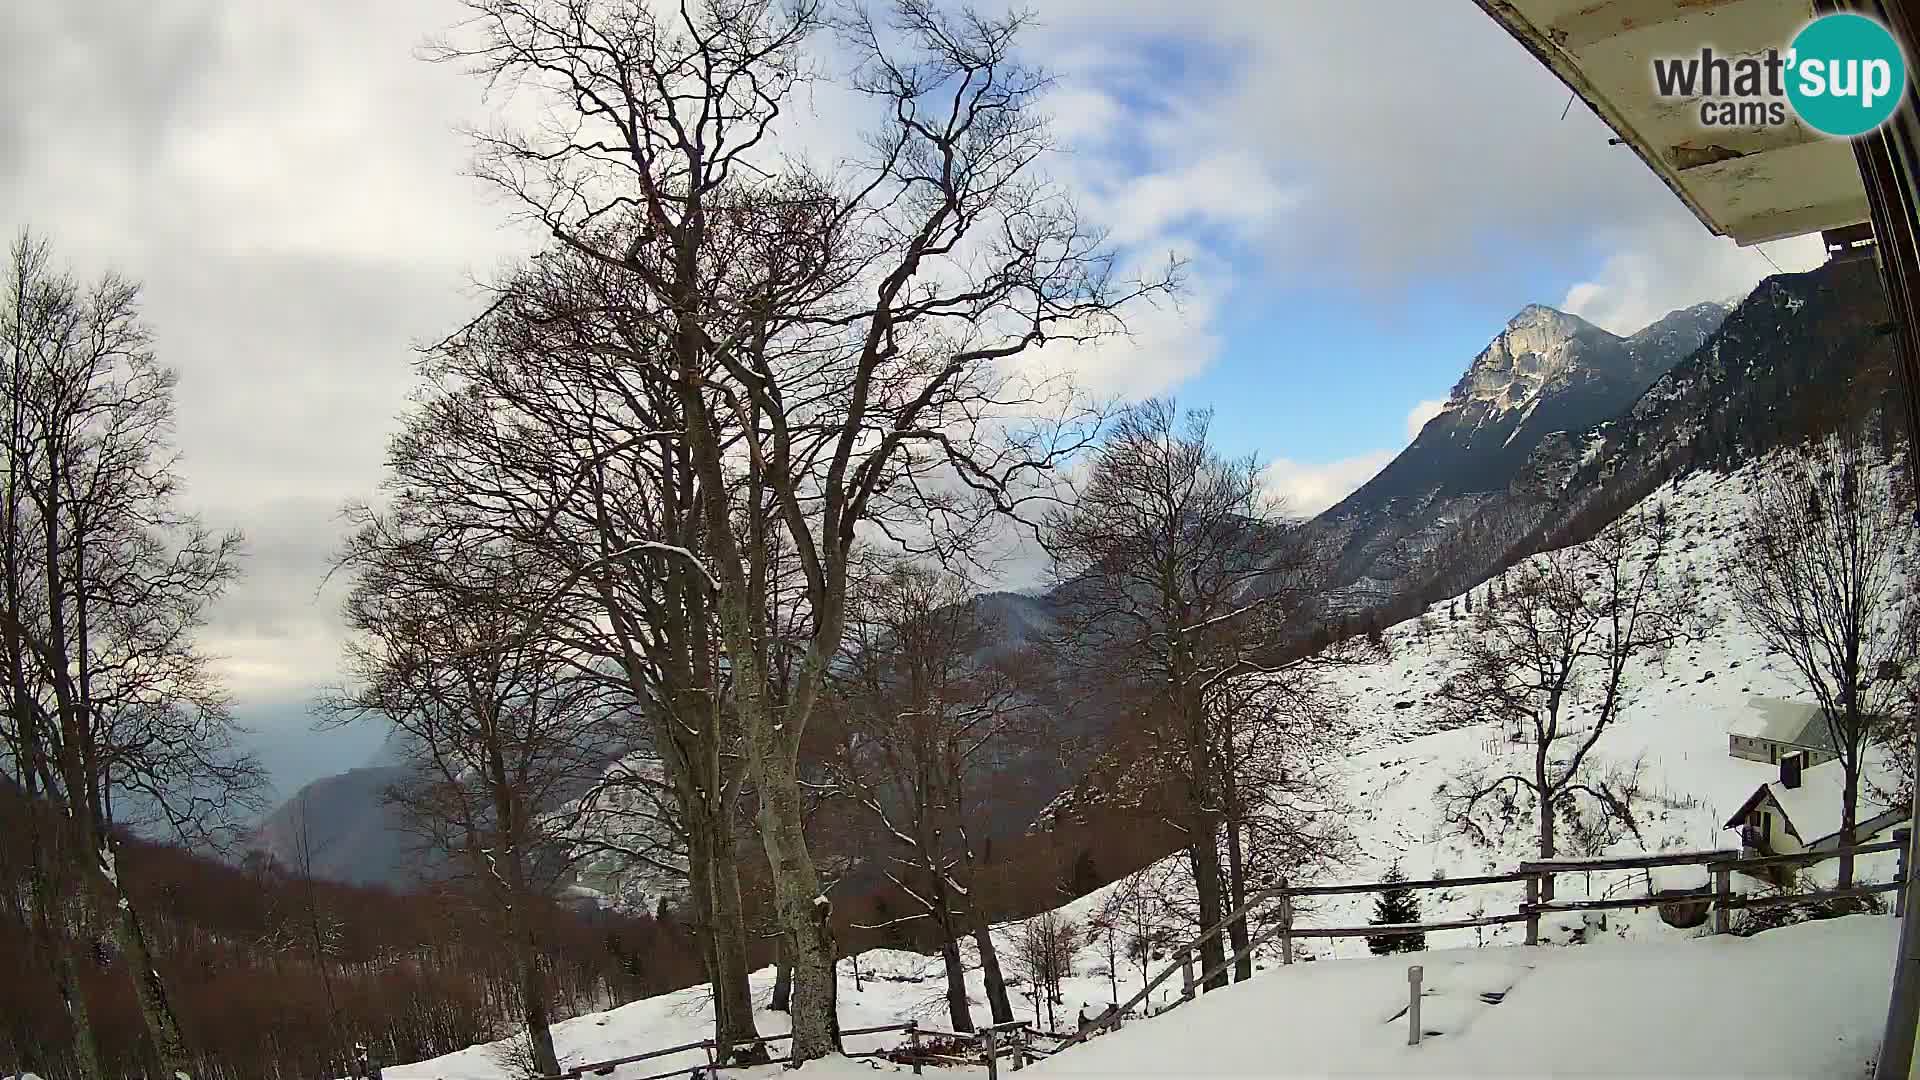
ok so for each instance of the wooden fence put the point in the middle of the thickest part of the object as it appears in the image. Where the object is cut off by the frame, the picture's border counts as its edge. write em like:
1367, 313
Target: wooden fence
1018, 1041
1538, 878
1021, 1043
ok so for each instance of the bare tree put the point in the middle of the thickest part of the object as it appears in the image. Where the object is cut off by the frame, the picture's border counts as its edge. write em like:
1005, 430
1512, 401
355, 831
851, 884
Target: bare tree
923, 707
1046, 949
308, 926
1180, 577
838, 345
1552, 656
1820, 576
1274, 737
549, 429
500, 729
113, 714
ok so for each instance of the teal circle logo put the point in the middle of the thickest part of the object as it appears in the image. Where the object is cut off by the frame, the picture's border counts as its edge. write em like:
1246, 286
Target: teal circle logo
1845, 75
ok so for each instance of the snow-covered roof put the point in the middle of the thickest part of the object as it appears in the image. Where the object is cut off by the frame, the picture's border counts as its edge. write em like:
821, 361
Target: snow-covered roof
1813, 808
1797, 723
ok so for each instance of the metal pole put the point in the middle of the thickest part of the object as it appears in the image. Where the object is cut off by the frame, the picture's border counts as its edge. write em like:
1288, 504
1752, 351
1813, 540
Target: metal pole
1889, 167
1903, 1006
1413, 1005
1902, 836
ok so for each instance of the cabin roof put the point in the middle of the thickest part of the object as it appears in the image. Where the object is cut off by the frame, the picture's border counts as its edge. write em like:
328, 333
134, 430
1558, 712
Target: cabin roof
1752, 184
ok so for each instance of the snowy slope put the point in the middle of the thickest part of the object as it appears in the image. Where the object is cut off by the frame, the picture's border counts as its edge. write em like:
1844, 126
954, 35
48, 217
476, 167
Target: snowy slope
1675, 725
1656, 1002
1718, 1007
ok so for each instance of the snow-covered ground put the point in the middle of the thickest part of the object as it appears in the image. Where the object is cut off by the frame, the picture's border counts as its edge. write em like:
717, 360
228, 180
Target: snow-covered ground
1805, 1000
1641, 997
1675, 725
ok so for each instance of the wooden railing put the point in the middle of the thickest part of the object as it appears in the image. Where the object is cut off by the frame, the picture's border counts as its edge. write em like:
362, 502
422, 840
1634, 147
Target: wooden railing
1538, 877
1012, 1040
1015, 1039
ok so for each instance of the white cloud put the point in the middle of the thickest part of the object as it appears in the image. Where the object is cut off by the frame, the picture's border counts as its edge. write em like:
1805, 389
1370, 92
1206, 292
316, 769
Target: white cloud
1658, 267
1308, 488
288, 182
1422, 412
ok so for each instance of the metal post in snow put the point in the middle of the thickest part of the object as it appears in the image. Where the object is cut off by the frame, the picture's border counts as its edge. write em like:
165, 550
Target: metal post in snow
913, 1043
1413, 1005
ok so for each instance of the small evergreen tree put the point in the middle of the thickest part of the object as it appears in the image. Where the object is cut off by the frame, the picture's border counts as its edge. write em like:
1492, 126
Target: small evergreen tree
1392, 907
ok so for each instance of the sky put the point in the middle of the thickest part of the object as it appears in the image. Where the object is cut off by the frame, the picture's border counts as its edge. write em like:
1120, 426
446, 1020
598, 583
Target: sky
1364, 192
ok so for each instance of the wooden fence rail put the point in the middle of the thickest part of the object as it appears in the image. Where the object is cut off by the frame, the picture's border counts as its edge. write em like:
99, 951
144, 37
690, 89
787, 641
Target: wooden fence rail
1011, 1040
1538, 877
1015, 1039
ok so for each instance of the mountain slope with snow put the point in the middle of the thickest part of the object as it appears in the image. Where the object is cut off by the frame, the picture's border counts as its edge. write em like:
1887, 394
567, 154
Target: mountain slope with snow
1636, 996
1545, 372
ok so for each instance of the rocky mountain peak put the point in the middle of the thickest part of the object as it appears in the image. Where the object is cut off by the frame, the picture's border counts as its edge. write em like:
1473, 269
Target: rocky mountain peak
1539, 348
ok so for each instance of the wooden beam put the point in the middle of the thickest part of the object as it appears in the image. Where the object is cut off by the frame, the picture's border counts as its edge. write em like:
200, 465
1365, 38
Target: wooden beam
1627, 862
1403, 929
1592, 24
1429, 883
1805, 858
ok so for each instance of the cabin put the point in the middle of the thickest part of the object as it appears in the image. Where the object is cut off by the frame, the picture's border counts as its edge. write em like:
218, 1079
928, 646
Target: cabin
1771, 729
1800, 811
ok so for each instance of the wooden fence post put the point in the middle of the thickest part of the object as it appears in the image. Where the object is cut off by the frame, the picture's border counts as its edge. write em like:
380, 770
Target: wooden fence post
1413, 1005
993, 1064
1186, 974
1901, 836
1533, 916
1723, 890
1286, 923
1019, 1048
913, 1042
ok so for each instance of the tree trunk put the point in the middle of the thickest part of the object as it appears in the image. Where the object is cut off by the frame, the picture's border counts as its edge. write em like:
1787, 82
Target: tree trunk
1543, 793
726, 930
163, 1027
782, 976
1237, 897
1203, 823
1546, 842
958, 1011
538, 1010
802, 906
1849, 820
1204, 858
86, 1049
997, 999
